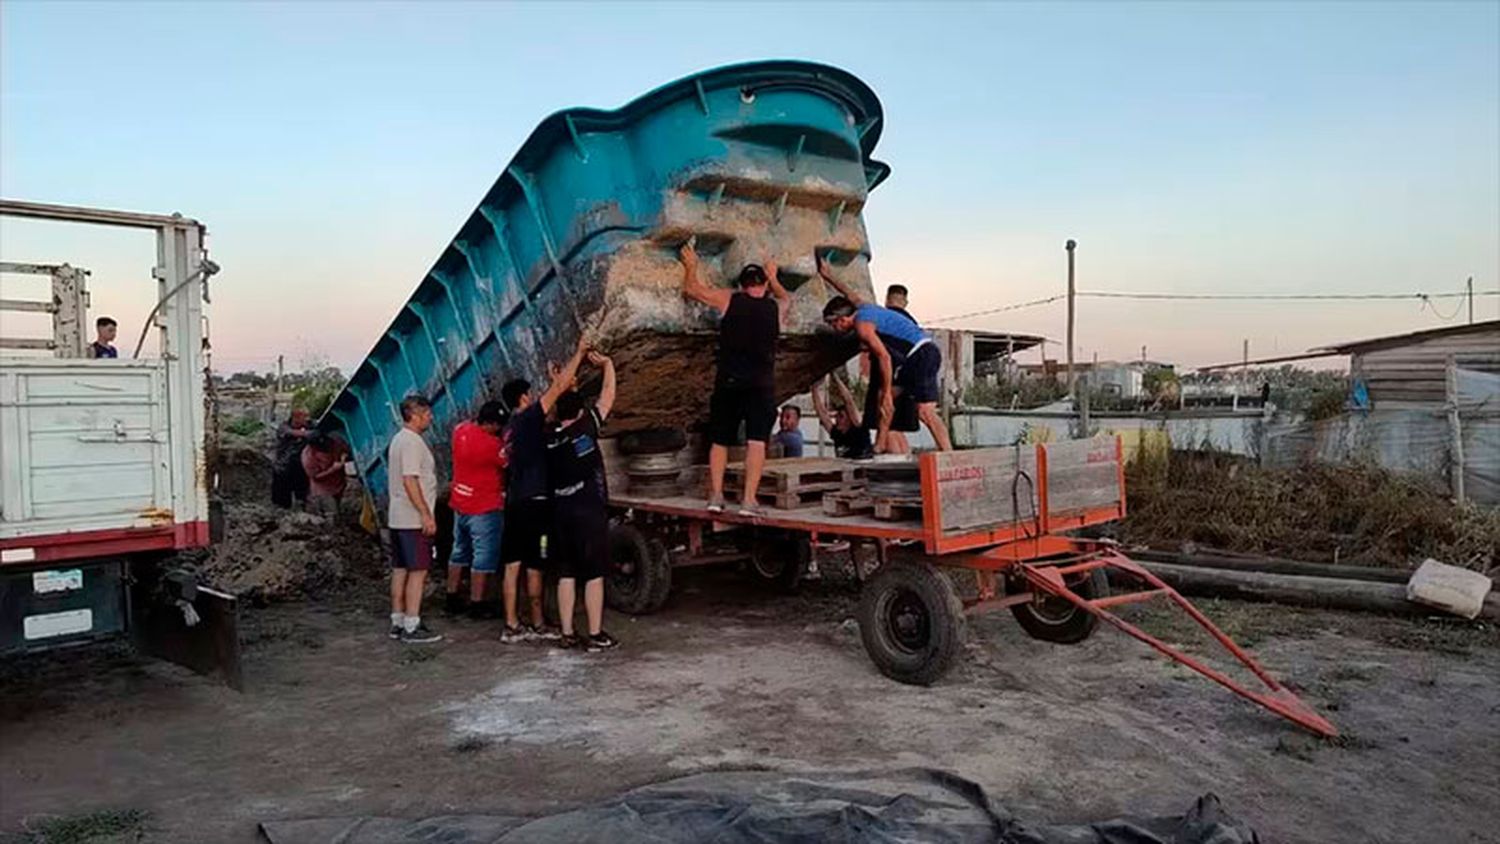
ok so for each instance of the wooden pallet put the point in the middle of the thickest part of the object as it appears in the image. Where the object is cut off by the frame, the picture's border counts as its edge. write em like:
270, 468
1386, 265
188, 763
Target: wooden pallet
898, 509
801, 474
780, 500
846, 503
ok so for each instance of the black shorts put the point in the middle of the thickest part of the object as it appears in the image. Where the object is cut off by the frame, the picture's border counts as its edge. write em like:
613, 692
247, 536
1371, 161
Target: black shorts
526, 526
579, 543
905, 418
917, 379
732, 404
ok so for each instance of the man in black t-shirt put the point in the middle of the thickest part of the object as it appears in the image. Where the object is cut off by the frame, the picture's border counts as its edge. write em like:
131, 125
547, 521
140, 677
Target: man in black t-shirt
745, 382
578, 548
527, 499
851, 439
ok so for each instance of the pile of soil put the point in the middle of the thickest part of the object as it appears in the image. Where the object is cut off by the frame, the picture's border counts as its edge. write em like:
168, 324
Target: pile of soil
272, 554
1361, 515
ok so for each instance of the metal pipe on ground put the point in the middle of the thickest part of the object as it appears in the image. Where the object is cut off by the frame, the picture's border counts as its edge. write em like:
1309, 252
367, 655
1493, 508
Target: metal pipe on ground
1321, 592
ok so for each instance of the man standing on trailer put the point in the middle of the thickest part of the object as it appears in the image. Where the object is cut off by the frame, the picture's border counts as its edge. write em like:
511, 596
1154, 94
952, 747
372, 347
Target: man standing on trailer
579, 547
895, 299
411, 478
104, 347
478, 501
745, 381
904, 366
526, 494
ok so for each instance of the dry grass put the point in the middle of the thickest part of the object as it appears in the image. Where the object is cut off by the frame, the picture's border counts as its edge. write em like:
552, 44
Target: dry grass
1349, 514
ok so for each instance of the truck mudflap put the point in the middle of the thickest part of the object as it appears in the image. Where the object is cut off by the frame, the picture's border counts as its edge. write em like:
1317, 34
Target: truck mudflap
194, 626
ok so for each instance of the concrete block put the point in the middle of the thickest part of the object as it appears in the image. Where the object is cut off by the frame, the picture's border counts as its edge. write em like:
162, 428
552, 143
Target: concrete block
1449, 588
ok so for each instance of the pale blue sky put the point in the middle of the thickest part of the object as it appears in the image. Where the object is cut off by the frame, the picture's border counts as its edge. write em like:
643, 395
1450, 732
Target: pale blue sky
333, 149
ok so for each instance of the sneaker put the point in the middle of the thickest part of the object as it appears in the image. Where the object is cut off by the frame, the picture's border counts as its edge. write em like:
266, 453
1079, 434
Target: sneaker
396, 631
511, 635
716, 505
601, 641
421, 636
749, 512
546, 632
570, 642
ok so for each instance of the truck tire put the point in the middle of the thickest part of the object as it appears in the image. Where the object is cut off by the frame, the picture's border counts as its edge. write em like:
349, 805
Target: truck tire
652, 441
778, 560
1059, 620
640, 572
911, 622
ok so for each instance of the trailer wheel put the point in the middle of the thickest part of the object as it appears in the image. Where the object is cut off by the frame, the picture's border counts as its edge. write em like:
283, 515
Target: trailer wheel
1059, 620
640, 573
911, 622
778, 560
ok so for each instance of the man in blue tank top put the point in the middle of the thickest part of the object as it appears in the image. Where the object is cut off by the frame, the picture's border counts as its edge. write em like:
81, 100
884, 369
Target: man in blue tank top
904, 366
745, 384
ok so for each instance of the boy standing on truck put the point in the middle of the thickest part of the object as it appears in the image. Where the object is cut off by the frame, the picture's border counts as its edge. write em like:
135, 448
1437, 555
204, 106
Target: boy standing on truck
579, 544
104, 347
478, 501
411, 476
745, 383
904, 366
526, 495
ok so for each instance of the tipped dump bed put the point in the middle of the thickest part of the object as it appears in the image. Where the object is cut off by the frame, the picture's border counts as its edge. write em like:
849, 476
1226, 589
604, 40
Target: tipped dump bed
767, 160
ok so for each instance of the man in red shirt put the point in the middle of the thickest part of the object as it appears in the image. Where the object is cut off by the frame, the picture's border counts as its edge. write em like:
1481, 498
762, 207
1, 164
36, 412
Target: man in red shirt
477, 499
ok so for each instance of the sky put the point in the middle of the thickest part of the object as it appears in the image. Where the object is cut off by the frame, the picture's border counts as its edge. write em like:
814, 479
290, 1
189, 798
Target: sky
333, 150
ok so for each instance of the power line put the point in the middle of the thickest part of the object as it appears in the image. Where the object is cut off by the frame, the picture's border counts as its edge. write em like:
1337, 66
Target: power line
1047, 301
1332, 297
1425, 298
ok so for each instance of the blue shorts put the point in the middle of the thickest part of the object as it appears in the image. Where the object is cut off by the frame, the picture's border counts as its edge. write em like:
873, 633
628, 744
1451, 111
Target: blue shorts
476, 541
410, 550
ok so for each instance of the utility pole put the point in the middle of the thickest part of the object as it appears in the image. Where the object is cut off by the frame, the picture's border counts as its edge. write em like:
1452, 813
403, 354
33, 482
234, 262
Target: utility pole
1072, 244
280, 371
1471, 300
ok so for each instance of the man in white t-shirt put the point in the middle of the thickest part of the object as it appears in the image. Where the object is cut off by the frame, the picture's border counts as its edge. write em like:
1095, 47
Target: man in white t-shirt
411, 482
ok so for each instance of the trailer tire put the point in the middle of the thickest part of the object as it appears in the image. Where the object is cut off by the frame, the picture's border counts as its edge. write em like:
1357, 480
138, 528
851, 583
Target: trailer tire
652, 441
640, 572
778, 560
1058, 620
911, 622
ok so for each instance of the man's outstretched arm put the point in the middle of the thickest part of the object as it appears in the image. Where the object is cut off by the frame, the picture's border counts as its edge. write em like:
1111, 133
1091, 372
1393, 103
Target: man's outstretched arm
693, 288
606, 400
826, 272
562, 378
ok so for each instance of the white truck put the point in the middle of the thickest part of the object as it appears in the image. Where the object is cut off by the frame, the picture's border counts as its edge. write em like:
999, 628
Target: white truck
103, 473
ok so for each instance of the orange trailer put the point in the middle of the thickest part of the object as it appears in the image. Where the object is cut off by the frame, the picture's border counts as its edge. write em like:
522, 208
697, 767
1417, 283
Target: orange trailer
1008, 516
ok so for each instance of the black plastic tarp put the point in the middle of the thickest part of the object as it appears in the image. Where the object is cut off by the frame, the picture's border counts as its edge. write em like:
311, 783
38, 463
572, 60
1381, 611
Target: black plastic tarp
740, 807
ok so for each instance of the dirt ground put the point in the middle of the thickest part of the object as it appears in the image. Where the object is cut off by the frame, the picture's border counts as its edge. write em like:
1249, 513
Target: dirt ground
338, 720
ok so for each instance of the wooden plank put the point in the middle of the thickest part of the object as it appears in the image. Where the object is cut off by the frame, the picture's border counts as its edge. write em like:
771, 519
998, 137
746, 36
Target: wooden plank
984, 487
1082, 475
